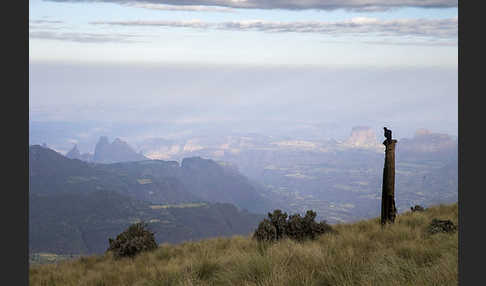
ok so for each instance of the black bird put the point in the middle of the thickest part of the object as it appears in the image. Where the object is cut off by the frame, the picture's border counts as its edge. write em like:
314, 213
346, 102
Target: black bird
388, 134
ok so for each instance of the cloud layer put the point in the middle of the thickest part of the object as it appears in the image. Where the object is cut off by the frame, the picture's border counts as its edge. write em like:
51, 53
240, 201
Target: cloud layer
42, 21
83, 37
358, 5
193, 8
432, 28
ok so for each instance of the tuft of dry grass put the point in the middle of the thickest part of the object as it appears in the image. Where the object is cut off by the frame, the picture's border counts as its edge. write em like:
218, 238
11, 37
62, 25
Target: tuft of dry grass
362, 253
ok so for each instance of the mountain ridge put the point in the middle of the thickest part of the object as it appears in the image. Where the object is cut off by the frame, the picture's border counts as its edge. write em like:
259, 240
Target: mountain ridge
74, 206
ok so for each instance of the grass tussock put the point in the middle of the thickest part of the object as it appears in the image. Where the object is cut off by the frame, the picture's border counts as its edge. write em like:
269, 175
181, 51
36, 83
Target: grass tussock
362, 253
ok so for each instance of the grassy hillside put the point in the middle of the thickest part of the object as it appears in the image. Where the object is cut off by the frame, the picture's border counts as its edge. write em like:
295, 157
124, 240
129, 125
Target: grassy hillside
361, 253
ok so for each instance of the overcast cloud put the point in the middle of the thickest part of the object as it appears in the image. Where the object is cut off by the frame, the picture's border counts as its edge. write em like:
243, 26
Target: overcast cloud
41, 21
433, 28
194, 8
81, 37
356, 5
414, 43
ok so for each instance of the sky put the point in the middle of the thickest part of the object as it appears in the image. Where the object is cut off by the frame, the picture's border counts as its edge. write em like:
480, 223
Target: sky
353, 62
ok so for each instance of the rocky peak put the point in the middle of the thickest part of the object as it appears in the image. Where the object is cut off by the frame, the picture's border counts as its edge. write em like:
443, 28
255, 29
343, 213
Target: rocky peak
118, 141
103, 141
117, 151
198, 163
74, 153
362, 136
425, 141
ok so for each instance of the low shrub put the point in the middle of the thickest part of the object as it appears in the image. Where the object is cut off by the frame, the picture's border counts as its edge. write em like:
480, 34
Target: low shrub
135, 239
266, 231
279, 221
417, 208
438, 225
295, 227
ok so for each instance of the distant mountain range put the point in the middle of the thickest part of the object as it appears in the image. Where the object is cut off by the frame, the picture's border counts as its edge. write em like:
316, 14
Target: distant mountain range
75, 205
424, 143
427, 145
106, 152
341, 180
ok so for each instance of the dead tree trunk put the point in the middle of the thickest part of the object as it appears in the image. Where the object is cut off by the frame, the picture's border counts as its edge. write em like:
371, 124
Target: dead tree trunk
388, 210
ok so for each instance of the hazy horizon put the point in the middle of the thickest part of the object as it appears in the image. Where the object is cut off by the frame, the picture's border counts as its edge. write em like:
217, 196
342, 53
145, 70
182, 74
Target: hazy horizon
310, 69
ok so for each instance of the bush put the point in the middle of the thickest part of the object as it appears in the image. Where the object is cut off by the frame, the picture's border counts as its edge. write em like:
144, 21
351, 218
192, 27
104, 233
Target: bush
301, 228
279, 221
266, 231
438, 225
417, 208
296, 227
135, 239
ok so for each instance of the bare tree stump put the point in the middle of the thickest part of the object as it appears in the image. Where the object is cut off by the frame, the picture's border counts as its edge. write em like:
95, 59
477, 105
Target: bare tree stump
388, 210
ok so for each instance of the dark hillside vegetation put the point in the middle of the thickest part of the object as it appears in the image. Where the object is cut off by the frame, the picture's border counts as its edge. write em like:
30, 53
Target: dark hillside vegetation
74, 206
71, 223
154, 181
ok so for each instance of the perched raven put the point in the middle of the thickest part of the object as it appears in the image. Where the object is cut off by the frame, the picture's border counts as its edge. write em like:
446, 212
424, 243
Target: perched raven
388, 134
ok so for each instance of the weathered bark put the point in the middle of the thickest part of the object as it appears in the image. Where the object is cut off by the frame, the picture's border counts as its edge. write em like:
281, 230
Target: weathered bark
388, 210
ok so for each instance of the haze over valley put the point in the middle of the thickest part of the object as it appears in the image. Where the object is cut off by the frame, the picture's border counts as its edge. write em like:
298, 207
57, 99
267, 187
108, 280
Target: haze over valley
341, 179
